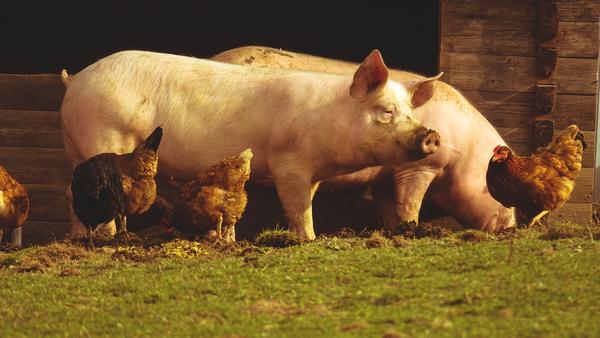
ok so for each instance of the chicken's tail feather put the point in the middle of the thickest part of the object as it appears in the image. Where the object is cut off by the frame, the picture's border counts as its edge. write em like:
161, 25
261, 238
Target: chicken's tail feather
153, 141
580, 137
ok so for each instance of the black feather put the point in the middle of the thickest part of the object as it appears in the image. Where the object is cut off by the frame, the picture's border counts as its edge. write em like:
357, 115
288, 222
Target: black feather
97, 188
153, 141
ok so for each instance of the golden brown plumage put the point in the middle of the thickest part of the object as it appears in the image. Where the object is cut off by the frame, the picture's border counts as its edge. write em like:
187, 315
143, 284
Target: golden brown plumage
109, 186
540, 183
215, 200
14, 204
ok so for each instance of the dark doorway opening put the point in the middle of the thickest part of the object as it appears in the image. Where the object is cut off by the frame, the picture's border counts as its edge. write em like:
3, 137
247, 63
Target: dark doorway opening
46, 36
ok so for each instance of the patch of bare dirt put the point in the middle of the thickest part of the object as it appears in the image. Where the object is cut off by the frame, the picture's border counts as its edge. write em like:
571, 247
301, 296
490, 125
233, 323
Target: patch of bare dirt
473, 236
400, 242
276, 239
100, 239
52, 255
345, 232
376, 240
421, 230
134, 254
570, 230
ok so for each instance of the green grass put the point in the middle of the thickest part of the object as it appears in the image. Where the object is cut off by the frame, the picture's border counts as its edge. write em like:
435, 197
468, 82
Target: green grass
454, 286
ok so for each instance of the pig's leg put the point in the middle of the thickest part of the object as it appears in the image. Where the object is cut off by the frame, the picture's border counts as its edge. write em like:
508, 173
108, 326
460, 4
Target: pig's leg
410, 186
296, 193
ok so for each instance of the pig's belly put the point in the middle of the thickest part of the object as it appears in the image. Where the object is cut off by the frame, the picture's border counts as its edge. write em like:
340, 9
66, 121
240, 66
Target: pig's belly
360, 178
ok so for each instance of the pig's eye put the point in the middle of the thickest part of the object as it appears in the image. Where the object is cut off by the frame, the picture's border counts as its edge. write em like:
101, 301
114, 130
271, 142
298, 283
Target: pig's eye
385, 116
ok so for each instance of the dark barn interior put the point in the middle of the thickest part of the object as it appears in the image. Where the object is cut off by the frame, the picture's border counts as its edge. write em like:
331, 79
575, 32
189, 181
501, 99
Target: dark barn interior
48, 36
45, 37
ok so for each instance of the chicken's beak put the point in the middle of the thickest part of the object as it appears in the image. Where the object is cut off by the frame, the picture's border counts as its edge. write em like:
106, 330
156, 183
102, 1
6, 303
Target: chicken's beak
498, 158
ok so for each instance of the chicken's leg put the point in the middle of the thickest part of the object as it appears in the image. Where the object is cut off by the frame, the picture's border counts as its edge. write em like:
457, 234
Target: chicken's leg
121, 223
220, 227
124, 236
537, 218
121, 229
90, 238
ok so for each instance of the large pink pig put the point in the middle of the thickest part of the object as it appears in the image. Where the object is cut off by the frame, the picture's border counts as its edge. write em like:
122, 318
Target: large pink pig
453, 179
303, 127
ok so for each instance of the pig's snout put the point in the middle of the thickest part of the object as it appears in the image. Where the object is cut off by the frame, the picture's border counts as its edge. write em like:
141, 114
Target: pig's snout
428, 142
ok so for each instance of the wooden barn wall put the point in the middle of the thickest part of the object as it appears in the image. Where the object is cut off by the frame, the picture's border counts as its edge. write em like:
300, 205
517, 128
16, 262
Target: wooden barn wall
488, 52
31, 149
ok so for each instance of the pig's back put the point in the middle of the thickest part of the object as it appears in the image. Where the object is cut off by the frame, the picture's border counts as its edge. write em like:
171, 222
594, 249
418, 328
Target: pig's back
111, 105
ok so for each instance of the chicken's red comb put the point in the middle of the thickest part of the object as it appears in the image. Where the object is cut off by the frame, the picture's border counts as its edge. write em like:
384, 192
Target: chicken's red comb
497, 148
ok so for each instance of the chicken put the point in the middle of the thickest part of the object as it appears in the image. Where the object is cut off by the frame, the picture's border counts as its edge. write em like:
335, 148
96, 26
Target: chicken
540, 183
215, 200
14, 204
110, 186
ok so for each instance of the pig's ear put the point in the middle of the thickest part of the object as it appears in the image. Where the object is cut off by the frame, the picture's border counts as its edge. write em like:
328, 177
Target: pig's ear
421, 91
371, 74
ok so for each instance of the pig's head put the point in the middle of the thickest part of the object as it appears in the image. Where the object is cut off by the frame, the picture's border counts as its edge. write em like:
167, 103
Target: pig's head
389, 132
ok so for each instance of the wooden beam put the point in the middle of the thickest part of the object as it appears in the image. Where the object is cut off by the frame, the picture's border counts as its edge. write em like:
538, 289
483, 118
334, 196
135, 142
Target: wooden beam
31, 91
47, 202
518, 10
488, 9
547, 20
578, 10
584, 187
545, 98
542, 131
574, 212
511, 110
41, 232
515, 73
39, 174
545, 64
34, 156
31, 129
515, 38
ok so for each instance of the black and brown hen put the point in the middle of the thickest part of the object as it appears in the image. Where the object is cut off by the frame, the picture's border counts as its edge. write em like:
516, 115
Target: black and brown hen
110, 186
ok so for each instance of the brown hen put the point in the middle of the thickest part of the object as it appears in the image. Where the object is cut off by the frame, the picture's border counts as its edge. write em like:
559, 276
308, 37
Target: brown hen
110, 186
14, 204
215, 200
540, 183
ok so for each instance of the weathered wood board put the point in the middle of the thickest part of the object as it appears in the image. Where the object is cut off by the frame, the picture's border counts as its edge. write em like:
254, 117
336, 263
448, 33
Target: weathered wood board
515, 109
502, 73
31, 92
516, 38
